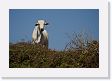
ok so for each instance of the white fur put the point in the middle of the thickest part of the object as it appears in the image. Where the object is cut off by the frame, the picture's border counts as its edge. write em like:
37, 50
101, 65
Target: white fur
39, 37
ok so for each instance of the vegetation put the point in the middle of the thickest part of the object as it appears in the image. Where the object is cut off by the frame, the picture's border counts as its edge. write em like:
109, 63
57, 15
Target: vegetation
80, 52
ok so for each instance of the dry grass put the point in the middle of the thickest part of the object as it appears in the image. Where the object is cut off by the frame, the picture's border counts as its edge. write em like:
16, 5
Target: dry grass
78, 53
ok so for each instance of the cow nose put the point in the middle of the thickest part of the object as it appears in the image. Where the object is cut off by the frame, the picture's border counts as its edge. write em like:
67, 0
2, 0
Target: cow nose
42, 29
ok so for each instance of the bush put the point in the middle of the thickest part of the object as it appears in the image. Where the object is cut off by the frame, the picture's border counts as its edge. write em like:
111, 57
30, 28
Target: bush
78, 53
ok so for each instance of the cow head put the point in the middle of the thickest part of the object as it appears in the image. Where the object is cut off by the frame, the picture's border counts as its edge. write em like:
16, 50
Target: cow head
41, 25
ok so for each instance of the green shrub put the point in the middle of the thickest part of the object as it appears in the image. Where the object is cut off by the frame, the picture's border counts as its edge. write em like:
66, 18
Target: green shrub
78, 53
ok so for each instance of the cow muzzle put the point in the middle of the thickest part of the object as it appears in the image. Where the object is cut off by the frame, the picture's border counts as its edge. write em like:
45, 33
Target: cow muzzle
42, 30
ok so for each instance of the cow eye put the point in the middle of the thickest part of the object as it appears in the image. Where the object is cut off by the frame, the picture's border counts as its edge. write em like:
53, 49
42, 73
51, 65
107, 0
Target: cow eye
36, 24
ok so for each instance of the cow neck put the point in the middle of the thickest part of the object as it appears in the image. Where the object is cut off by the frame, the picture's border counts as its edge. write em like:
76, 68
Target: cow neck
38, 31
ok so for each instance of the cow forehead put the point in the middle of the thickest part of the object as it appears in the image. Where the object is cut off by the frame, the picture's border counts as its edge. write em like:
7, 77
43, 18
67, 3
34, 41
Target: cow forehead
41, 21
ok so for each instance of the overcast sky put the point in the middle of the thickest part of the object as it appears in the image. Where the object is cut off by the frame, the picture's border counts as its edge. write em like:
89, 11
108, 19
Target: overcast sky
62, 22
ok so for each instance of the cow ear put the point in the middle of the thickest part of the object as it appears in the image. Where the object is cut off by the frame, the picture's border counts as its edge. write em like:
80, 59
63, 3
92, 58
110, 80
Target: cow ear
46, 23
36, 24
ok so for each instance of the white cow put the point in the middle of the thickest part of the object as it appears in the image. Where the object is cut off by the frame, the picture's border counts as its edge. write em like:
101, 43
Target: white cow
40, 35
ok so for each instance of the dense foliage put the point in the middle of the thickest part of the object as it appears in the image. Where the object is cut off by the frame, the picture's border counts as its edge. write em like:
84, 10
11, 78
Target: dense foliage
77, 54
